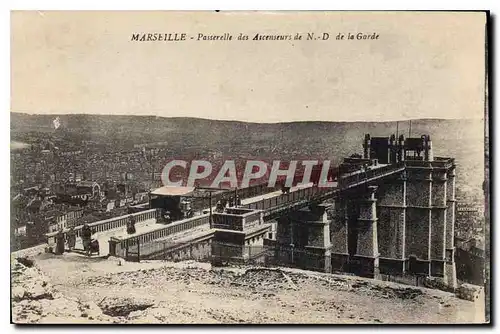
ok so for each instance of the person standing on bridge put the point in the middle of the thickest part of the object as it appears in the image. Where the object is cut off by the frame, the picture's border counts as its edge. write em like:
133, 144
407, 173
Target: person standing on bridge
86, 238
219, 207
131, 225
60, 242
71, 238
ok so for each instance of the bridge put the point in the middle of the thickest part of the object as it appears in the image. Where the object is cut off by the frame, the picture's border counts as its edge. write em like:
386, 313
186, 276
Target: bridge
273, 204
388, 214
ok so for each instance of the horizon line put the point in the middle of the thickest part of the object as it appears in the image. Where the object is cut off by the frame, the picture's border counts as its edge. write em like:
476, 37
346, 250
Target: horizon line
251, 122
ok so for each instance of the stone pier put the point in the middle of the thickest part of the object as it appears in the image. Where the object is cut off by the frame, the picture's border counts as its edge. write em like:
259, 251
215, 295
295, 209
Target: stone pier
365, 259
303, 238
239, 236
338, 235
391, 224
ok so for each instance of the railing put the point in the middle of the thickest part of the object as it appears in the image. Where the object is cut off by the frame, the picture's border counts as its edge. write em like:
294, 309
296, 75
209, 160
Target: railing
255, 190
229, 222
198, 249
110, 224
363, 176
201, 203
233, 221
160, 233
120, 245
268, 205
438, 162
298, 196
251, 218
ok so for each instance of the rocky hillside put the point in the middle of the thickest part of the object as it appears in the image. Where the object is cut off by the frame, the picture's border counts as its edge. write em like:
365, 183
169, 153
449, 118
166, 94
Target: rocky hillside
70, 289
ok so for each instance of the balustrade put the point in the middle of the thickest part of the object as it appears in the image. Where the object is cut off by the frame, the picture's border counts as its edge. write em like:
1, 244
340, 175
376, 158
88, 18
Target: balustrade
164, 232
110, 224
301, 195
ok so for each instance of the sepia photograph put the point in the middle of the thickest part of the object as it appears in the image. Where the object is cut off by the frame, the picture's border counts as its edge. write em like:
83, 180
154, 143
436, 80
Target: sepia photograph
249, 167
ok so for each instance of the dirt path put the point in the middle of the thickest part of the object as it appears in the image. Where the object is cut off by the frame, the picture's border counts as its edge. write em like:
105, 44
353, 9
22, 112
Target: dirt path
189, 292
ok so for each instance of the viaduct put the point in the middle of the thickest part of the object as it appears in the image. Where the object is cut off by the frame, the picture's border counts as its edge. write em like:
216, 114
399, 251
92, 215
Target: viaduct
390, 213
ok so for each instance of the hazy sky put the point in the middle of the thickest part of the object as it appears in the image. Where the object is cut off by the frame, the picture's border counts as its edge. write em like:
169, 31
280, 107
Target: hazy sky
424, 65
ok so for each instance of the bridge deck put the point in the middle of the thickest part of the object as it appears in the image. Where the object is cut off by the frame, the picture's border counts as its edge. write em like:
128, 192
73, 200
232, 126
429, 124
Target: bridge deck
273, 194
150, 226
193, 233
184, 237
265, 204
103, 237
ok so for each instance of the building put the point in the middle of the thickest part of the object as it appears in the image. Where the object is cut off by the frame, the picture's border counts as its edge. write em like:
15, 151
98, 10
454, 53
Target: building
392, 216
182, 202
403, 224
83, 190
239, 236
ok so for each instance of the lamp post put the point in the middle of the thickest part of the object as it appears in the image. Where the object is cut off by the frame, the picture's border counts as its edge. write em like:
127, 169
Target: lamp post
210, 206
292, 245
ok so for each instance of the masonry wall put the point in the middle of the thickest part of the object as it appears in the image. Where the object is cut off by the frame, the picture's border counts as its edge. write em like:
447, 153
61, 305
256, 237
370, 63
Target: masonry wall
367, 242
438, 190
391, 199
418, 187
338, 237
199, 251
391, 192
450, 211
338, 229
438, 222
438, 234
418, 213
316, 235
418, 193
226, 251
283, 232
417, 233
450, 221
391, 232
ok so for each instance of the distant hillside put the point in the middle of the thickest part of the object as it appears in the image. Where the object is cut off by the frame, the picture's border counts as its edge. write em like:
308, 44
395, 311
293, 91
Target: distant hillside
328, 139
462, 139
133, 128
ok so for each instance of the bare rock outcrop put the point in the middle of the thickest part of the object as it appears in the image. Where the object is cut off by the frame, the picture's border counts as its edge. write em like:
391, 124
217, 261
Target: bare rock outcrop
28, 282
123, 307
34, 300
